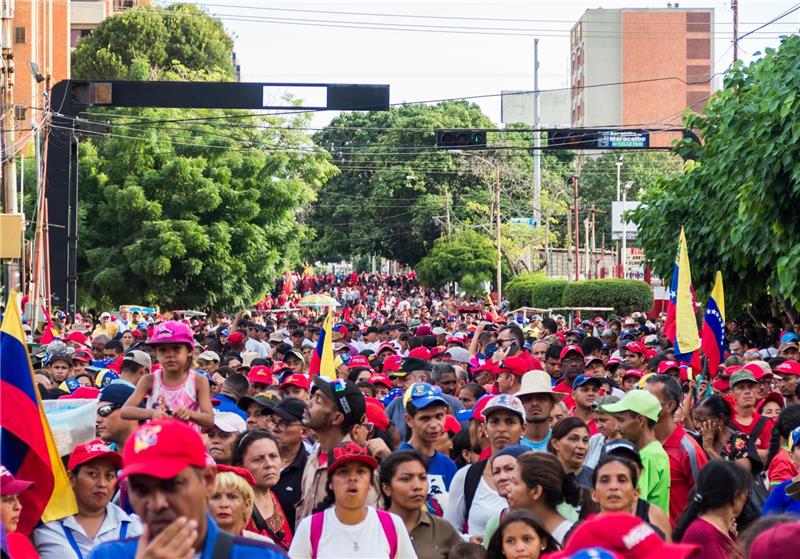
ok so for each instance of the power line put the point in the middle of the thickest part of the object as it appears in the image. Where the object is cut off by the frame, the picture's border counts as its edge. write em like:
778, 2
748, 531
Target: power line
770, 22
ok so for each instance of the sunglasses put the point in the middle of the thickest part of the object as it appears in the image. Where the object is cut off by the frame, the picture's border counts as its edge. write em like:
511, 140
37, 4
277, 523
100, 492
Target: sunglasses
107, 410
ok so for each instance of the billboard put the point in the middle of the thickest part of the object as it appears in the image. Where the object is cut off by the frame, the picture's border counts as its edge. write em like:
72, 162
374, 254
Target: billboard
616, 220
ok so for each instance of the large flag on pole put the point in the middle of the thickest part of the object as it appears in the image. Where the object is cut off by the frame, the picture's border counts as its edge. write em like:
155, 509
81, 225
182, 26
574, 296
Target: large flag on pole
26, 443
322, 360
713, 342
687, 339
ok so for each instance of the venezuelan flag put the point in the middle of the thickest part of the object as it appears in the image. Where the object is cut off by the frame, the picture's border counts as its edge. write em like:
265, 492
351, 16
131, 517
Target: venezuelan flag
322, 359
687, 339
26, 443
714, 327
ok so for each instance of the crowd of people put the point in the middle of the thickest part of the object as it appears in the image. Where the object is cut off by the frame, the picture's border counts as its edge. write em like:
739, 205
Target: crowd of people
446, 431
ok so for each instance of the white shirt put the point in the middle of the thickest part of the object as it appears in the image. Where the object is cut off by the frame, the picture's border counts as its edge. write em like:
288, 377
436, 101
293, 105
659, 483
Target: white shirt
486, 504
51, 539
256, 347
337, 539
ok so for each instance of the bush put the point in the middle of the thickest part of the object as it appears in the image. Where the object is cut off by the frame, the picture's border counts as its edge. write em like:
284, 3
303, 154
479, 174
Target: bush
625, 296
547, 294
519, 291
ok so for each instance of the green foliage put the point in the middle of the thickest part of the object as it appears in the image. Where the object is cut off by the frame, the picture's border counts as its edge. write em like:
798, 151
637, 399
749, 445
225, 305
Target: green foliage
173, 39
547, 294
467, 258
625, 296
738, 199
519, 291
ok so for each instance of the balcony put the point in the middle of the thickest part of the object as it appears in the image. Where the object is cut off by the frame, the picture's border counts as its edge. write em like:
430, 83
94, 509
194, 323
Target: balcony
86, 13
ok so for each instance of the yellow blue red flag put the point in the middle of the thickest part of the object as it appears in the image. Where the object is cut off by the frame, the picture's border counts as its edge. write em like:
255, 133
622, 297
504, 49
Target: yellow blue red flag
26, 442
322, 360
714, 327
687, 339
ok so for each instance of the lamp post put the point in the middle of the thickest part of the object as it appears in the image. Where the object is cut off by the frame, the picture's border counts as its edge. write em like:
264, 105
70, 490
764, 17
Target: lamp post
624, 227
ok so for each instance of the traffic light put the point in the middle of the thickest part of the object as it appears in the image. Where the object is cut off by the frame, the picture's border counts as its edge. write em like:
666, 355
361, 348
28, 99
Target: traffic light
461, 138
569, 138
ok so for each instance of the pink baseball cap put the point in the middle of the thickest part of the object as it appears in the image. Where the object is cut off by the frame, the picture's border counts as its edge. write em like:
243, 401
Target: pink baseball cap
9, 485
172, 332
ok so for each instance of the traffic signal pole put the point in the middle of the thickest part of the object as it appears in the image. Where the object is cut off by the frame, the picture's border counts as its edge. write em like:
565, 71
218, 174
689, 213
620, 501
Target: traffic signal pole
577, 228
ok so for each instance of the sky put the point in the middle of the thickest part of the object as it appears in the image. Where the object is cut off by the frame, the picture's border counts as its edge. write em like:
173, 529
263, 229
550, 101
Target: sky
488, 46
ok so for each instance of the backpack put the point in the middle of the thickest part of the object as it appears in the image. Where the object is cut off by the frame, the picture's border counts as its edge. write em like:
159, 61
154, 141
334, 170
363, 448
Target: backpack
471, 482
389, 530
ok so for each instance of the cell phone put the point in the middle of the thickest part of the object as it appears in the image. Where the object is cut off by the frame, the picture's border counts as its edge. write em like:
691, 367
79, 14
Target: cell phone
513, 349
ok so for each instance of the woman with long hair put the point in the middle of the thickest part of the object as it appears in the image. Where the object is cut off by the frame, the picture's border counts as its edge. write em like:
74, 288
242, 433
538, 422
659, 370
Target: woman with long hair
344, 526
720, 493
712, 416
520, 536
783, 497
258, 451
569, 443
615, 490
404, 486
780, 463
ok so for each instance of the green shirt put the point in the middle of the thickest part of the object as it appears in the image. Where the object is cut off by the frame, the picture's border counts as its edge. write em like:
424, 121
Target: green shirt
654, 481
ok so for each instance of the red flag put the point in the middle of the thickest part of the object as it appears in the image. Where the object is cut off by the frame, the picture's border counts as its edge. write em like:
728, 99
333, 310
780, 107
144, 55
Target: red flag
50, 331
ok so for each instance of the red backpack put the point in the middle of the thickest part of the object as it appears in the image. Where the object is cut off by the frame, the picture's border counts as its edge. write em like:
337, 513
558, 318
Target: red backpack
389, 530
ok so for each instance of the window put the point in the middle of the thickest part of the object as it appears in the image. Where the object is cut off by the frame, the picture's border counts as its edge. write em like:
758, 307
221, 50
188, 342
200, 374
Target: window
19, 112
19, 35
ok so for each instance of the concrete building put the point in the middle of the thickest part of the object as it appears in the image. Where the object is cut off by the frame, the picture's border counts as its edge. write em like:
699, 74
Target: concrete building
658, 62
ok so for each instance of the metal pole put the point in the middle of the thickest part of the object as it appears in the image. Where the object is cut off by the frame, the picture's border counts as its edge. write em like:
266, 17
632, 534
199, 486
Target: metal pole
499, 236
735, 8
624, 232
577, 229
594, 244
586, 247
8, 121
447, 210
537, 141
619, 187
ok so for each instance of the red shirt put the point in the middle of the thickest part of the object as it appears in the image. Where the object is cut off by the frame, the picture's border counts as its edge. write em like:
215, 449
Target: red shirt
763, 439
781, 468
566, 389
20, 547
686, 458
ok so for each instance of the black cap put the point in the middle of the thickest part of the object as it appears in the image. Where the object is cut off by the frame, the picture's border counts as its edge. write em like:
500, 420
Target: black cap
263, 401
116, 393
624, 449
414, 364
290, 409
347, 396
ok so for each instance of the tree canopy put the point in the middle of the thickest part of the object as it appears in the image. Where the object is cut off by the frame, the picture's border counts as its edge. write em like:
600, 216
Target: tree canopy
739, 196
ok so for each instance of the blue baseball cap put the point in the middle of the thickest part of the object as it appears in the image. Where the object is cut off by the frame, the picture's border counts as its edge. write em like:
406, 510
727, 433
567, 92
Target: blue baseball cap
580, 380
116, 393
224, 332
789, 337
424, 395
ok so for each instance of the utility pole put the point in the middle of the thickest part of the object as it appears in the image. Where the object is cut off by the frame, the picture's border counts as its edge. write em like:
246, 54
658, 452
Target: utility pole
499, 235
735, 8
8, 122
577, 228
619, 187
537, 141
447, 210
624, 229
587, 265
594, 245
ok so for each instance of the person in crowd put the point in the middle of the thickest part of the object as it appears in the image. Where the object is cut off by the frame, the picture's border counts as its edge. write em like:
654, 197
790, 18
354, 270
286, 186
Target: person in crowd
789, 373
176, 390
258, 410
344, 525
258, 452
473, 498
234, 387
208, 361
221, 439
19, 546
759, 429
615, 479
712, 416
571, 366
686, 456
774, 536
109, 424
552, 362
721, 491
135, 364
606, 427
636, 415
333, 409
296, 386
286, 423
231, 503
585, 389
469, 394
426, 412
769, 406
538, 398
783, 497
61, 368
404, 487
93, 475
169, 482
541, 487
780, 463
520, 536
569, 444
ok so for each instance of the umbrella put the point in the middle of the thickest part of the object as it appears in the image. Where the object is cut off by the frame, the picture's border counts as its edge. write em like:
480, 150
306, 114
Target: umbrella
318, 300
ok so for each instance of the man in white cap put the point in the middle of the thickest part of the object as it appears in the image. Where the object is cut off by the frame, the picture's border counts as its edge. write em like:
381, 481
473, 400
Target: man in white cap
209, 361
538, 398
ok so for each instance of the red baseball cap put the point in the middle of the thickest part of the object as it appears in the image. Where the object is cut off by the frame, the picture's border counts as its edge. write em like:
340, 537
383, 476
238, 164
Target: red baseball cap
759, 372
569, 349
776, 397
235, 338
721, 385
383, 380
788, 367
438, 350
82, 393
243, 473
162, 448
359, 361
778, 541
451, 425
279, 366
637, 347
300, 381
457, 339
82, 356
392, 363
9, 485
519, 364
665, 366
261, 374
77, 337
386, 346
349, 452
376, 413
626, 535
632, 373
477, 411
420, 352
92, 450
613, 361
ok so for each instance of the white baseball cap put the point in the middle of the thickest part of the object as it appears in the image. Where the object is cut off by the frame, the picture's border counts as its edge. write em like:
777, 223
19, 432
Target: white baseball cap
229, 422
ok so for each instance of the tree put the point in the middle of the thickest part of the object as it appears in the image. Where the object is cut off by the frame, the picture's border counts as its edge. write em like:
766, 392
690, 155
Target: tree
738, 199
175, 38
181, 211
468, 258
